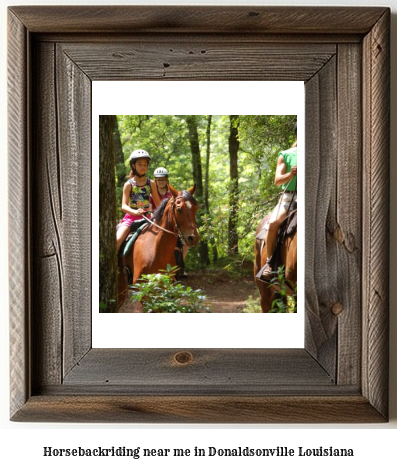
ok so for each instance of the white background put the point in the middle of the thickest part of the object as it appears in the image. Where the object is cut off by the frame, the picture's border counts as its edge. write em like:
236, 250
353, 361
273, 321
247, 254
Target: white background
21, 444
213, 330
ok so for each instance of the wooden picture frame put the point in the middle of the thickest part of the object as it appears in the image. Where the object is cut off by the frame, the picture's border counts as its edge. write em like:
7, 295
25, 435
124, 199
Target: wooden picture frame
342, 54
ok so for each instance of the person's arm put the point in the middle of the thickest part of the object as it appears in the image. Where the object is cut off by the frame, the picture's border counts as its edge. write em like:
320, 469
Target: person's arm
154, 193
282, 176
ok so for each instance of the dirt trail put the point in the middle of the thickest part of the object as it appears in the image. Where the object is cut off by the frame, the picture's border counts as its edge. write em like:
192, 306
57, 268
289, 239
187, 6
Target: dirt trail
224, 294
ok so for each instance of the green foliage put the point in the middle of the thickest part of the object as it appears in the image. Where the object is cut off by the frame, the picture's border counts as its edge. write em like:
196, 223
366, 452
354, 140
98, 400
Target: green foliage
160, 293
283, 303
261, 138
103, 307
252, 305
166, 140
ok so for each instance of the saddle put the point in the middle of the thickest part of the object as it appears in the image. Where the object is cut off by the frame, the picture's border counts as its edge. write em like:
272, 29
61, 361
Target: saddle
289, 225
126, 247
288, 228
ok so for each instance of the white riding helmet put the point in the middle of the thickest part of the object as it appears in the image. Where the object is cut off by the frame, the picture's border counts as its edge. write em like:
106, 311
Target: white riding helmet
161, 172
139, 154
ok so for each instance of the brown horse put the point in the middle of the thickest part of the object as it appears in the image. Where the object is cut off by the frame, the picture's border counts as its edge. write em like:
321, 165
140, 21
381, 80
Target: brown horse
288, 259
155, 245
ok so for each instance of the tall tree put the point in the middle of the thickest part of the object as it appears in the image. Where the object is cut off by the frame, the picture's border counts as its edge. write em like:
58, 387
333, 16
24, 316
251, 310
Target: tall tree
260, 138
213, 246
207, 164
234, 145
191, 121
118, 152
107, 217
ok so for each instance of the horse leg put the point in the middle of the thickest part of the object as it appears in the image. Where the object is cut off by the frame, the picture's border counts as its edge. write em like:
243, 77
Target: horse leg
266, 293
289, 255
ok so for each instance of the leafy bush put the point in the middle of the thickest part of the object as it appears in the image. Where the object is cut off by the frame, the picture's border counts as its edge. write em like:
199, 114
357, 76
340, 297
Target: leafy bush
159, 292
252, 305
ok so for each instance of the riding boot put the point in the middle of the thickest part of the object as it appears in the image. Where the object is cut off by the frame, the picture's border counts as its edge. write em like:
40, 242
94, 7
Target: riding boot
265, 273
270, 267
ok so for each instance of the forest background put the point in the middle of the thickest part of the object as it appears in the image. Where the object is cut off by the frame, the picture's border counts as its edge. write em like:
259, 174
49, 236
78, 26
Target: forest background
231, 158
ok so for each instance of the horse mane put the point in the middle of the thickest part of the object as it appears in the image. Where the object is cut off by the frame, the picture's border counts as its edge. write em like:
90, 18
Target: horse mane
158, 213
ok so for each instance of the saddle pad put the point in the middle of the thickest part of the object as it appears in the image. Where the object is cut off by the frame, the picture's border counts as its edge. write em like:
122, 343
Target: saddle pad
262, 233
132, 240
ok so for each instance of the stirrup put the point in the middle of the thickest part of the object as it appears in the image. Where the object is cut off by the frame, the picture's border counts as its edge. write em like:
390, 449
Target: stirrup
259, 275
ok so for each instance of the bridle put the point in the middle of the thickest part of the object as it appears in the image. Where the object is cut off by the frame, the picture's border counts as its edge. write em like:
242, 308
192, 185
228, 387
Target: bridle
178, 232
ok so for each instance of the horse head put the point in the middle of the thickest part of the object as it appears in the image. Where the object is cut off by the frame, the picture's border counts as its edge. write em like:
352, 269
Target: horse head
184, 208
176, 193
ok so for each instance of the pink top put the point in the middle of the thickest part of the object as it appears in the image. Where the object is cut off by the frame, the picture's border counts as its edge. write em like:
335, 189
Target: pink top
162, 197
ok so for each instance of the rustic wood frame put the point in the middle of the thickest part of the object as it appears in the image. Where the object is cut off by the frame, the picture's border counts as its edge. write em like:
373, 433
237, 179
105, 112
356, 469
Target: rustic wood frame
343, 56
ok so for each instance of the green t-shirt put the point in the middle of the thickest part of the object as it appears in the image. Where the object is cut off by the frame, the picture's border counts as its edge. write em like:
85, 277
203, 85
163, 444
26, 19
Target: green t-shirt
290, 159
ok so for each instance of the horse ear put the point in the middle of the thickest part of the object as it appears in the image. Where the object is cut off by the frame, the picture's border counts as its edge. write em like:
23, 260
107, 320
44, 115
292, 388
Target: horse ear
192, 189
173, 191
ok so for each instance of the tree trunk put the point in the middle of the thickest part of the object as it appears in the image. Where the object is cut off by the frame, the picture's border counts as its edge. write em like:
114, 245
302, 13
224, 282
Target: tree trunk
198, 178
207, 165
107, 217
196, 157
118, 152
233, 195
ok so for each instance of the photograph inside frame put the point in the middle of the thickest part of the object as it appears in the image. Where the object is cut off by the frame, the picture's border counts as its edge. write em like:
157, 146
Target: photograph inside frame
203, 213
194, 194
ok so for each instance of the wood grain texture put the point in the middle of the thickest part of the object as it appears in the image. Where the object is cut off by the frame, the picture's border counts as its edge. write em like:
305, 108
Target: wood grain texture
341, 375
346, 228
321, 279
249, 370
47, 325
62, 255
376, 90
198, 409
199, 19
19, 227
226, 58
74, 148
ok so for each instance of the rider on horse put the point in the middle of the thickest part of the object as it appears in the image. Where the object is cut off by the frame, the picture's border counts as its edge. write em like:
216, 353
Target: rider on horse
136, 193
163, 188
286, 175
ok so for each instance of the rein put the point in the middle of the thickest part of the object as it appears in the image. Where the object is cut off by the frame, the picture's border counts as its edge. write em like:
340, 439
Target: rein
176, 234
162, 228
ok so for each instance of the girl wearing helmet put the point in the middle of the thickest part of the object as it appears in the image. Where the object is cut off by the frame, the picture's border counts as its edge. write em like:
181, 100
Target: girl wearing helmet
136, 194
163, 187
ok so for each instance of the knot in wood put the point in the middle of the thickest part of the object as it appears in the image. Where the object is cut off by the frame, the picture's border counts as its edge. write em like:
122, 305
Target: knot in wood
183, 358
338, 235
337, 308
